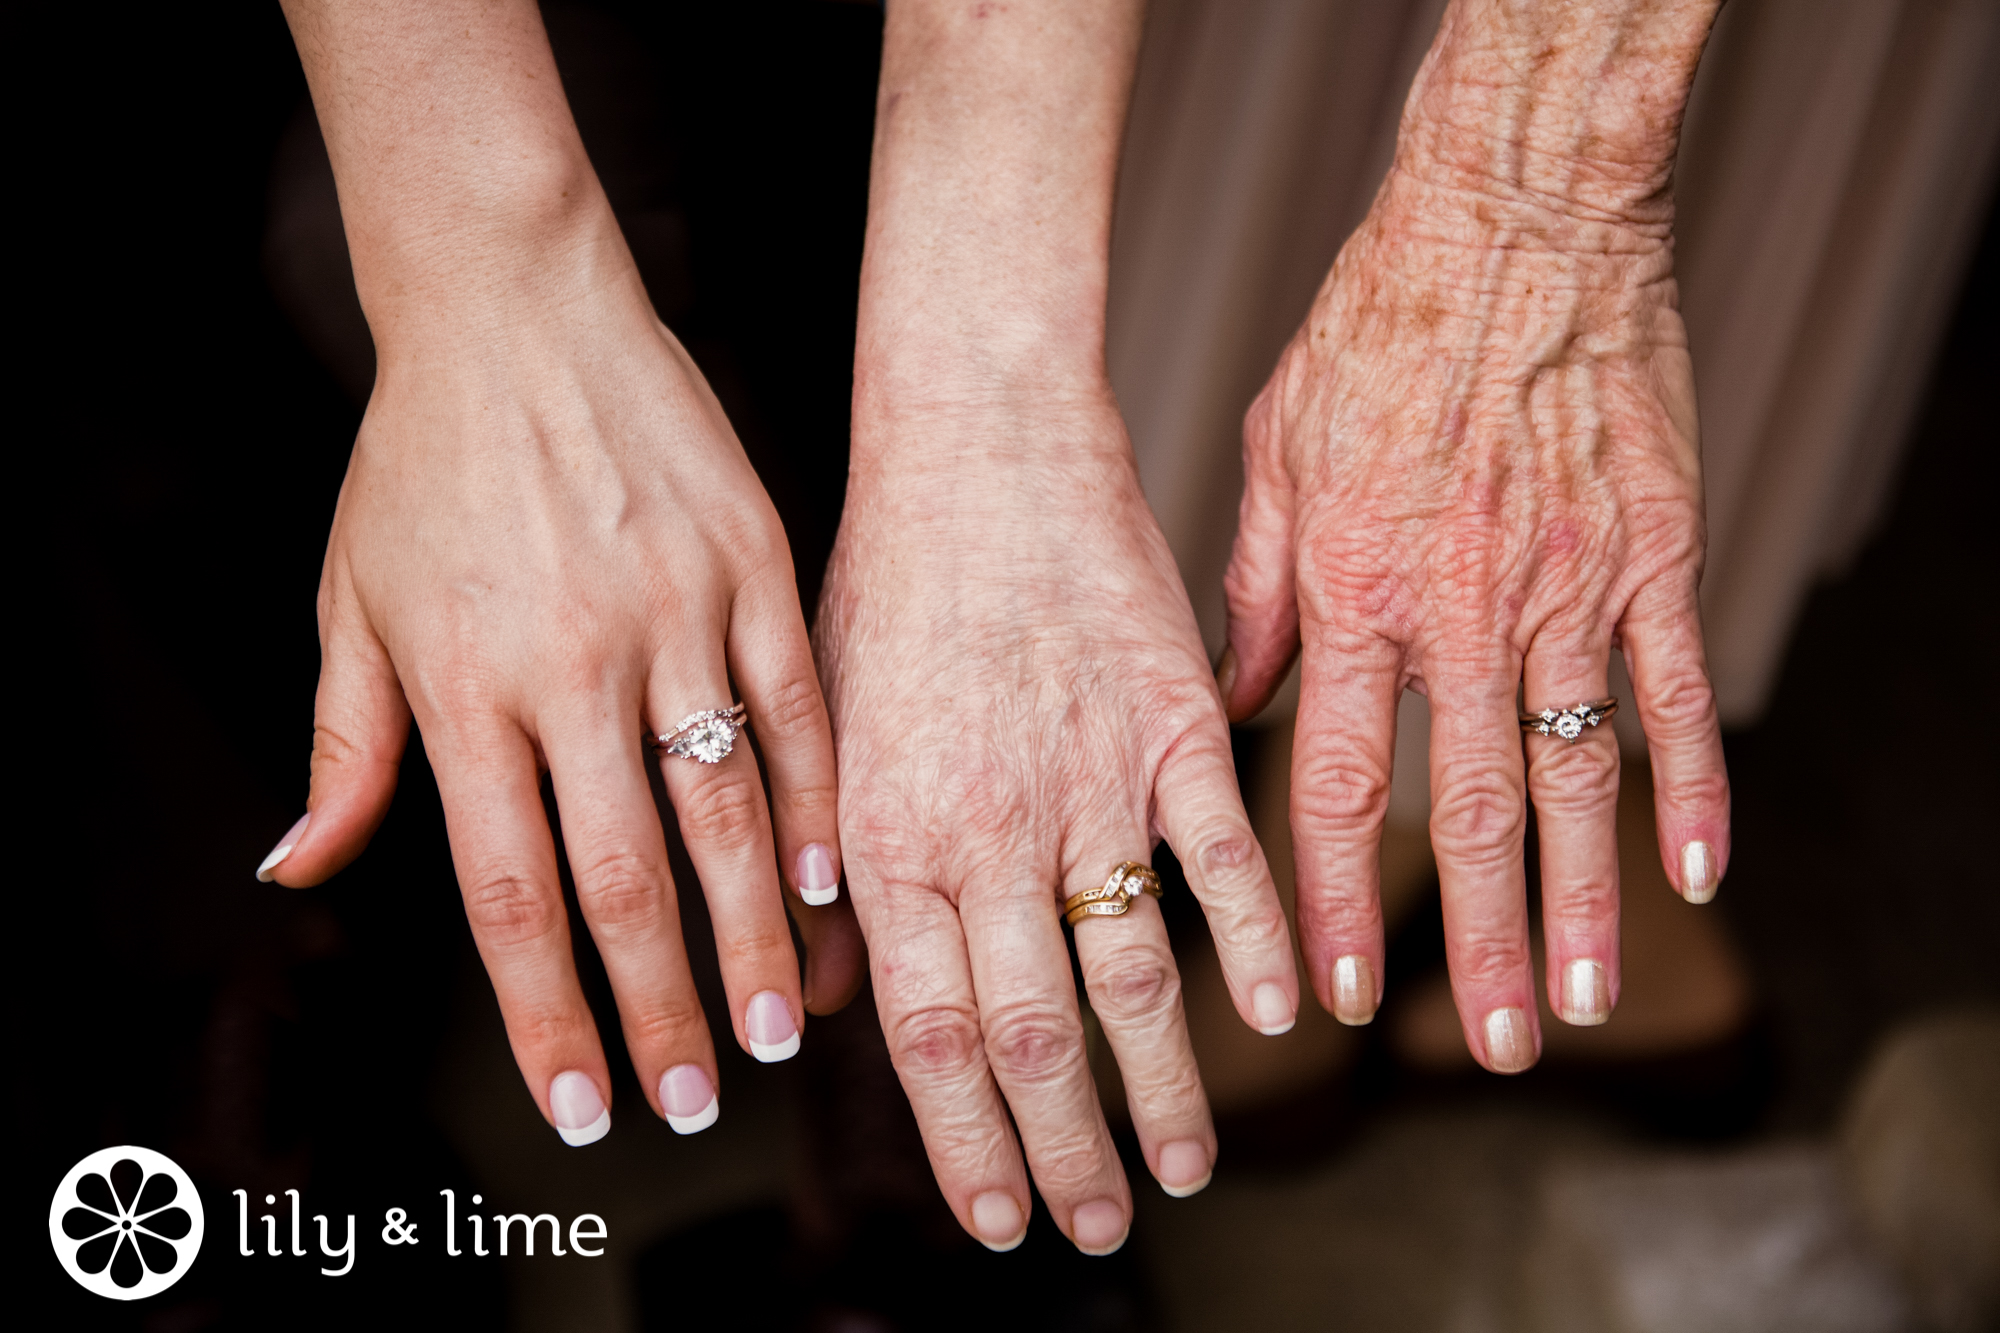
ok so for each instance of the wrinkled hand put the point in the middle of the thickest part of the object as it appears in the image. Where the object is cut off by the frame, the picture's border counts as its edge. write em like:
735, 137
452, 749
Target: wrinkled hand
1475, 472
548, 546
1021, 702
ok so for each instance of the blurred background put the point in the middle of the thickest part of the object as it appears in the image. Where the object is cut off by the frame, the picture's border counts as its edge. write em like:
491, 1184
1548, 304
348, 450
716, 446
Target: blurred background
1793, 1121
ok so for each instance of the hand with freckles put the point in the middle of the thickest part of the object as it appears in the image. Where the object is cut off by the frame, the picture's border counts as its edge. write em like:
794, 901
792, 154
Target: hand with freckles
1475, 474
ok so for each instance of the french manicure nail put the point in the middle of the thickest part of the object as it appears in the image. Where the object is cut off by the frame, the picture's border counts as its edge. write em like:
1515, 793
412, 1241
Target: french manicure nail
1099, 1227
1274, 1011
818, 885
282, 850
1184, 1168
998, 1221
1354, 990
768, 1023
1509, 1048
1586, 997
1225, 674
1698, 880
688, 1099
580, 1114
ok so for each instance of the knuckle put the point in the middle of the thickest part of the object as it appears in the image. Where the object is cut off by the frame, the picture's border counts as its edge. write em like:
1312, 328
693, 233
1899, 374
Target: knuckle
934, 1043
674, 1024
1135, 988
724, 813
621, 892
790, 709
1678, 705
1334, 795
1032, 1045
752, 944
1478, 815
1489, 956
1575, 779
506, 908
544, 1027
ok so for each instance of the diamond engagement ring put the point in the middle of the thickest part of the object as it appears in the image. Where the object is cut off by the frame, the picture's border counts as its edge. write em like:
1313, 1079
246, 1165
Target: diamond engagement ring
1568, 723
1127, 882
706, 737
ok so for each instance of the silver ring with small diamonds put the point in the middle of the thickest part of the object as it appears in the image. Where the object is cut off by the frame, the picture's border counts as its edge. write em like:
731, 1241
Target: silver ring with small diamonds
706, 737
1568, 723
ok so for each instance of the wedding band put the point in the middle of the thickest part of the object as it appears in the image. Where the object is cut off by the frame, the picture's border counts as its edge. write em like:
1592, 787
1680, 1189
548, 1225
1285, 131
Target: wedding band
1127, 882
1568, 723
705, 737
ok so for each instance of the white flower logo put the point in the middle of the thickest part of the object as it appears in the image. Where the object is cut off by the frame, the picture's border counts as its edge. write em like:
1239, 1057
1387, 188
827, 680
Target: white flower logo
126, 1222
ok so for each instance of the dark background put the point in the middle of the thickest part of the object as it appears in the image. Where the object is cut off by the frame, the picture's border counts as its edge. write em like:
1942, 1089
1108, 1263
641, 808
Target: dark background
180, 447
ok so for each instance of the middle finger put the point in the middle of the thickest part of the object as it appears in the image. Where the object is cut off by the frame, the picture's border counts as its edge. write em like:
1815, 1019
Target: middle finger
1034, 1044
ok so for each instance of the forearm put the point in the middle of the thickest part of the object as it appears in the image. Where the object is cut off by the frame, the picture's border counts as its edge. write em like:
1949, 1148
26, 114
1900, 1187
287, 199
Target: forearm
989, 227
1569, 108
455, 154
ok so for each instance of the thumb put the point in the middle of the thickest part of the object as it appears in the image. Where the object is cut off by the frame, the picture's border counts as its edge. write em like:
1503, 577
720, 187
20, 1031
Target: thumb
361, 723
1261, 583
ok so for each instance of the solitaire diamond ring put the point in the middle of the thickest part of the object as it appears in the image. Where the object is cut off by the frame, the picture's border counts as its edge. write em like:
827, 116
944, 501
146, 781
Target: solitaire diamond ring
1127, 882
1568, 723
705, 737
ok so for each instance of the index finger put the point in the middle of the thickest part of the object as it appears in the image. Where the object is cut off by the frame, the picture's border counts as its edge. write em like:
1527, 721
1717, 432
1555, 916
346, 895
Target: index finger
930, 1021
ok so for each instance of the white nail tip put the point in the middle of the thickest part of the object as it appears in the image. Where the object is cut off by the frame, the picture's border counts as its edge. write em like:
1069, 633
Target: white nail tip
1280, 1029
1183, 1191
272, 862
1001, 1247
589, 1134
772, 1052
819, 897
700, 1120
1112, 1248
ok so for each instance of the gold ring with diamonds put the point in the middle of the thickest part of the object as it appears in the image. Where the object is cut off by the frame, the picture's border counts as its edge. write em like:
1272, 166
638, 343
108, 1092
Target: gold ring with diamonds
1568, 723
706, 737
1127, 882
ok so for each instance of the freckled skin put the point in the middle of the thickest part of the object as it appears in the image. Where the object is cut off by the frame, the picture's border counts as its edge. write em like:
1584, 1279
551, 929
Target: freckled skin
1475, 471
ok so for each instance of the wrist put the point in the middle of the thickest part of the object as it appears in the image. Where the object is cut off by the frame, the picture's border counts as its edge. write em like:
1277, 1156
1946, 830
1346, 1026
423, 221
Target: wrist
519, 246
1567, 112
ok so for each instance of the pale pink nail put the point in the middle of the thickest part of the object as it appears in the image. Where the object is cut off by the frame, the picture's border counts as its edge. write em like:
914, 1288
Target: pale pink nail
283, 849
1099, 1227
1184, 1168
818, 885
689, 1099
998, 1221
578, 1108
768, 1023
1274, 1011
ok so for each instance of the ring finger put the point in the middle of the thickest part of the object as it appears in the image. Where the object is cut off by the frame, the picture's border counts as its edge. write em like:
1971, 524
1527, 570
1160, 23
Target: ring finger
720, 804
625, 889
1573, 783
1135, 991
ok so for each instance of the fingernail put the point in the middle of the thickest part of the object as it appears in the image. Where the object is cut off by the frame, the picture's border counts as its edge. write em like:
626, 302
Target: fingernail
1586, 999
768, 1023
818, 885
1099, 1227
578, 1109
689, 1099
1225, 674
1698, 881
1275, 1014
1184, 1168
1509, 1048
282, 850
997, 1220
1354, 990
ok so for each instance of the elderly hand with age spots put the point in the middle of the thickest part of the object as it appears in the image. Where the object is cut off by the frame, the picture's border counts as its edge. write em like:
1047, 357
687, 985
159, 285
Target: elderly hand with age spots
1474, 473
